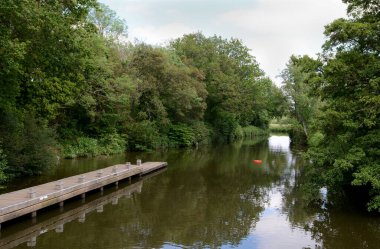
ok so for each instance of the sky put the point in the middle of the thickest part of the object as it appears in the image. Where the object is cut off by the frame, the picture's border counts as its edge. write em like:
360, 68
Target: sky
272, 29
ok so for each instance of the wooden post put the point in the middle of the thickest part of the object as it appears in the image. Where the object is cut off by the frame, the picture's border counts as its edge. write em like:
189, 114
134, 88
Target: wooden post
99, 209
115, 200
114, 169
59, 185
140, 189
99, 173
61, 204
32, 193
128, 165
81, 179
59, 228
32, 242
138, 163
82, 217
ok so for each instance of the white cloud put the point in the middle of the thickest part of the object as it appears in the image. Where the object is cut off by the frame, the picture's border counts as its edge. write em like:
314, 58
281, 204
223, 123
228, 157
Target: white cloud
272, 29
275, 30
159, 34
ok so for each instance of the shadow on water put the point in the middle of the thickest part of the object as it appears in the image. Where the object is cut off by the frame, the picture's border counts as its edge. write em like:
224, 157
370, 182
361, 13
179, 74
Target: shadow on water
212, 197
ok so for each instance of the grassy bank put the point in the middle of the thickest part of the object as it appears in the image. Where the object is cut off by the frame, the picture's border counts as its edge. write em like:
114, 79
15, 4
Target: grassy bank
280, 127
253, 131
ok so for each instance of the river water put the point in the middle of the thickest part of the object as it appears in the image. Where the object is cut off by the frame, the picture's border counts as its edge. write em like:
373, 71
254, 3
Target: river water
212, 197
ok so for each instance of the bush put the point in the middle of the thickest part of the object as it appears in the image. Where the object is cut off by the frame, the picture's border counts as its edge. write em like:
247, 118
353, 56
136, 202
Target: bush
39, 148
315, 139
3, 166
29, 144
224, 125
238, 133
112, 143
88, 147
81, 147
202, 132
297, 135
144, 136
253, 131
280, 127
181, 136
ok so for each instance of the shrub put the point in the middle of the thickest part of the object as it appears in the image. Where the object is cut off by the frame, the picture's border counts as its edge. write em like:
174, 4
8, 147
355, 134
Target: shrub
144, 136
38, 148
315, 139
112, 143
280, 127
297, 135
238, 132
3, 166
81, 147
29, 144
181, 136
253, 131
224, 125
202, 132
87, 147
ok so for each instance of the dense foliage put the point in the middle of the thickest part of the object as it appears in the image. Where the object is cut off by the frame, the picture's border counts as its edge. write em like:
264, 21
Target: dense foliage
239, 94
344, 131
71, 86
298, 78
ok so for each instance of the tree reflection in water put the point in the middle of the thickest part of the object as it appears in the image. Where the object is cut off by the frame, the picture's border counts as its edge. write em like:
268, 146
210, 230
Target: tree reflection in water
335, 223
215, 197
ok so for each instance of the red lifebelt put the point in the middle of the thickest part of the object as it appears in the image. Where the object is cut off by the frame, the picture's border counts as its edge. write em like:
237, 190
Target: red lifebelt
257, 161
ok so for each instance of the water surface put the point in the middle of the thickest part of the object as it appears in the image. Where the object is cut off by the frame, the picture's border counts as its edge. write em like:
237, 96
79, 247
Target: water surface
212, 197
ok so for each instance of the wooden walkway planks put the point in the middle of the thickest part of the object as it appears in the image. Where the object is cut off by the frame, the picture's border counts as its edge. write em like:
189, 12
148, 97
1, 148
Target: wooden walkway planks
21, 202
30, 234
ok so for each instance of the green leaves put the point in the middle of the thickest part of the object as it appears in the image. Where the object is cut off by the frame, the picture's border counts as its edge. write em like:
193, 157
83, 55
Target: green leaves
349, 153
3, 166
299, 79
66, 63
108, 24
167, 89
237, 89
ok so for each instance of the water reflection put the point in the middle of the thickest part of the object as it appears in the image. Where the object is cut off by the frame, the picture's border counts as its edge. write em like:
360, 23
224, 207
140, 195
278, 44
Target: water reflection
57, 222
215, 197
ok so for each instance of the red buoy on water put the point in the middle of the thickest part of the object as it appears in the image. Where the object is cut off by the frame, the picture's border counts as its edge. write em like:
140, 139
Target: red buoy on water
257, 161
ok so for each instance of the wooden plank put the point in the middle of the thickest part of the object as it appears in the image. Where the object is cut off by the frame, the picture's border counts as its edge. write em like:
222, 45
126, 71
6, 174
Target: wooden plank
21, 202
30, 234
150, 167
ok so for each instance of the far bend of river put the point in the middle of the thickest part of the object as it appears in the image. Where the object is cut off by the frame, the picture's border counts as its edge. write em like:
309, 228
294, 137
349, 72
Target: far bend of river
212, 197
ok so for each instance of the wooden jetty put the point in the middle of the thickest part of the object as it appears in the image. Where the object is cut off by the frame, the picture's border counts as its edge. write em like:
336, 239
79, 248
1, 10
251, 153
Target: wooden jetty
29, 201
29, 234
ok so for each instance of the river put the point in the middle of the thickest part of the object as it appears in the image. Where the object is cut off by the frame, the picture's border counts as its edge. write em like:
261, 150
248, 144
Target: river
211, 197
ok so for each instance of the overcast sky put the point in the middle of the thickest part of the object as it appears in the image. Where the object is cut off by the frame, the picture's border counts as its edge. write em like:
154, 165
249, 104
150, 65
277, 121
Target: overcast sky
272, 29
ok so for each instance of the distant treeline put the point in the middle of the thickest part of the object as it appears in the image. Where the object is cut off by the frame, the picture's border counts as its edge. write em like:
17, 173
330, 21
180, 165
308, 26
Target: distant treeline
71, 86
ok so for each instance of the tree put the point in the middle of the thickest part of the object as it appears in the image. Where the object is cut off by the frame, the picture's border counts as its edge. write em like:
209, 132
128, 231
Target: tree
237, 87
168, 90
108, 24
348, 152
298, 78
41, 73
